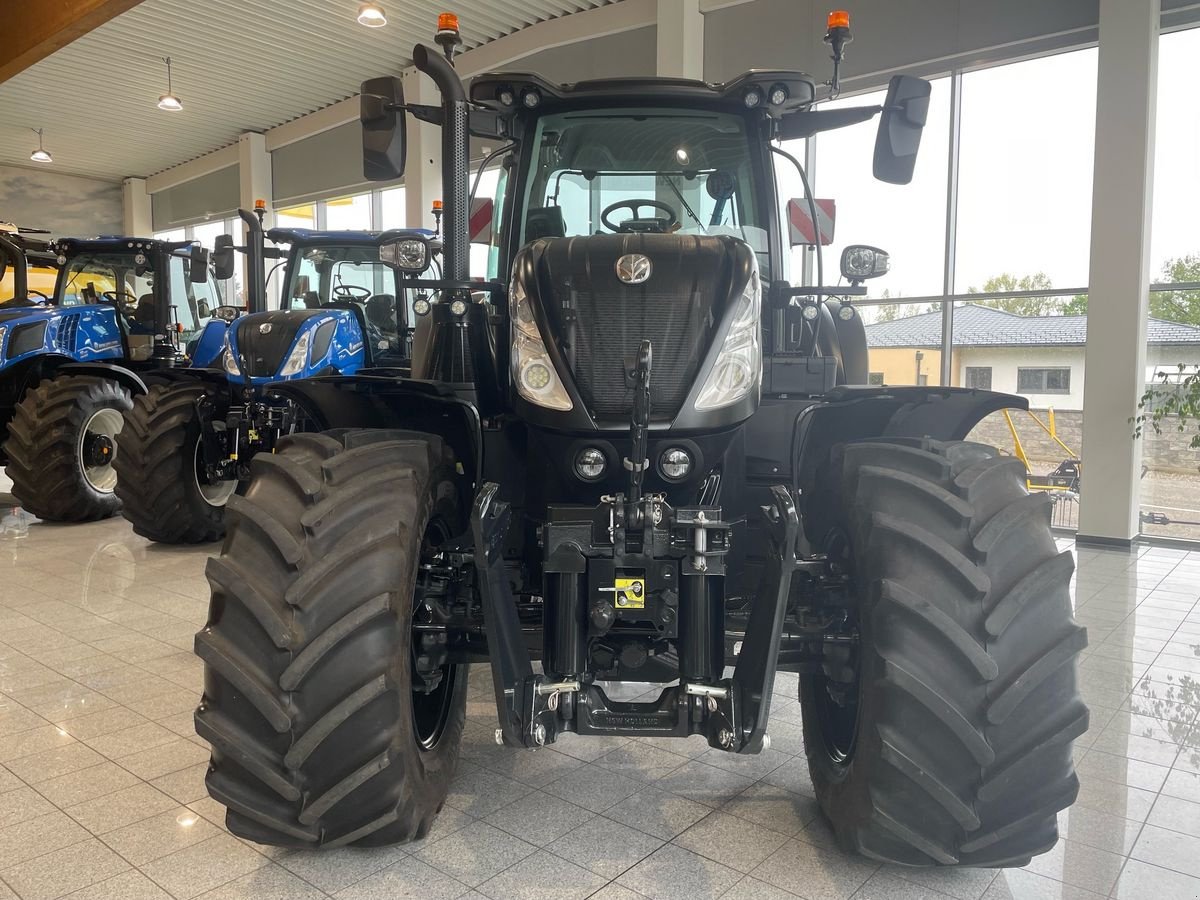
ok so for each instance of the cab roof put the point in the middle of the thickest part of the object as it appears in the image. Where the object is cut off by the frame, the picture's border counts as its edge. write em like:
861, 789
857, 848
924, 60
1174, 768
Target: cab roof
363, 238
114, 244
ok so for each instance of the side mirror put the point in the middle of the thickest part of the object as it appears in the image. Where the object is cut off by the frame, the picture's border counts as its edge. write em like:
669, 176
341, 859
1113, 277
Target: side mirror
410, 255
198, 270
222, 257
202, 310
801, 232
860, 262
303, 286
900, 127
383, 128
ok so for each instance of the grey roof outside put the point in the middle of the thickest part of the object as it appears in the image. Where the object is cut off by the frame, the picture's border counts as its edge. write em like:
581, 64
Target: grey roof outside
981, 326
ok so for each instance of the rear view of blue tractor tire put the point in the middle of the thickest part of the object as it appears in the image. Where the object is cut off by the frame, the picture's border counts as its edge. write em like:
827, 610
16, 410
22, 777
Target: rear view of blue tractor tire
62, 442
188, 444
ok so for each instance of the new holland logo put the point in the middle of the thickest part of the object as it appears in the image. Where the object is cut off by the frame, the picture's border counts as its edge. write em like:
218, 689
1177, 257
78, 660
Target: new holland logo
264, 328
634, 268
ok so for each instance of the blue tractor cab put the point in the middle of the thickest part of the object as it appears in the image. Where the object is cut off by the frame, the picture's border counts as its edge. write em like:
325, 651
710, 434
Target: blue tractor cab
121, 309
345, 305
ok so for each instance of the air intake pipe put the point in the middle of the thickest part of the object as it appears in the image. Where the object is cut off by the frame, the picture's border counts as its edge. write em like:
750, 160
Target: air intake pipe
256, 266
456, 154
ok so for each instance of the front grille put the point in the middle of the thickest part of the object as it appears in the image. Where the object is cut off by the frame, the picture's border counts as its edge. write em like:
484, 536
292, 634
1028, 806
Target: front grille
263, 352
610, 331
68, 332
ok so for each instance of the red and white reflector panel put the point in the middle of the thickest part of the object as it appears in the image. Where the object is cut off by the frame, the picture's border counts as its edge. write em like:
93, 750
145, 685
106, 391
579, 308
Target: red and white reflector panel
800, 223
481, 220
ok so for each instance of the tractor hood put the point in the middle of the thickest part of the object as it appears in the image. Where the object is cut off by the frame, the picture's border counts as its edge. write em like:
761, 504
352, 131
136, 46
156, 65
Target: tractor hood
599, 296
286, 344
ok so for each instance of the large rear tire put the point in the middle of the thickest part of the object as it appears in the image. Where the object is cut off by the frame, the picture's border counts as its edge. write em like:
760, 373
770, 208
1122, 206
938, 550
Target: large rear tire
946, 739
62, 442
318, 736
163, 496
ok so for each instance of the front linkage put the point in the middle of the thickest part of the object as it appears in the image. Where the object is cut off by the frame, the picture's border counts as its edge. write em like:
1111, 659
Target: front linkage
637, 569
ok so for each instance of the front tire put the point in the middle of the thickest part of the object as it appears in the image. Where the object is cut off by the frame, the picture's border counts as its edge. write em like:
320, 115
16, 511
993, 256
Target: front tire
62, 443
318, 736
164, 497
946, 740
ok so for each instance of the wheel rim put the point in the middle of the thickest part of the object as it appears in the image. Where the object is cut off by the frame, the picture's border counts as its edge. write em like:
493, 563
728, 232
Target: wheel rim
430, 709
213, 494
838, 702
97, 443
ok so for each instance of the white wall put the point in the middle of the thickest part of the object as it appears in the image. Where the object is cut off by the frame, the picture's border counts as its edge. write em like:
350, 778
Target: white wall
69, 206
1004, 363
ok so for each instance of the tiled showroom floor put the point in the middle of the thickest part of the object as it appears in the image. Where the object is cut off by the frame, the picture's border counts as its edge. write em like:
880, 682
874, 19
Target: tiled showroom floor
102, 794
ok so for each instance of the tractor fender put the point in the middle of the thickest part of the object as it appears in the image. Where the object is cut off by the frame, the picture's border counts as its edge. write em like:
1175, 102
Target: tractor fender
858, 413
385, 400
127, 378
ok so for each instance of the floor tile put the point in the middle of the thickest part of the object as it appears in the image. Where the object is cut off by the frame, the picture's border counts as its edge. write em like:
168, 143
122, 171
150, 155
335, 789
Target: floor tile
33, 837
49, 764
704, 783
86, 784
750, 888
270, 882
673, 873
1140, 881
122, 808
1170, 812
641, 761
131, 885
773, 807
159, 835
334, 870
481, 792
475, 853
594, 788
731, 841
657, 812
1079, 865
605, 847
407, 878
537, 818
821, 874
22, 804
177, 754
541, 876
1169, 850
202, 867
63, 871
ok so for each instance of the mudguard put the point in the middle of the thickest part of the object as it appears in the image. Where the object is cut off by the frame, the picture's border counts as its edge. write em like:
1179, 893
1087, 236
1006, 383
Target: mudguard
859, 413
384, 399
127, 378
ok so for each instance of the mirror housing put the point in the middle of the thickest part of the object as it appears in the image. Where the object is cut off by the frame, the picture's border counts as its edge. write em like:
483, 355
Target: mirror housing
900, 127
222, 257
198, 270
383, 128
861, 261
409, 253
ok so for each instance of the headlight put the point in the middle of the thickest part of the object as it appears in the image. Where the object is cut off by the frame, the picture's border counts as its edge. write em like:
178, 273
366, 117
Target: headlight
739, 365
228, 361
410, 254
532, 368
298, 358
590, 463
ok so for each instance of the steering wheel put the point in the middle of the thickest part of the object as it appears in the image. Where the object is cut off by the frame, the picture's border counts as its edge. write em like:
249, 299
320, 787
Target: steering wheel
638, 224
351, 292
127, 306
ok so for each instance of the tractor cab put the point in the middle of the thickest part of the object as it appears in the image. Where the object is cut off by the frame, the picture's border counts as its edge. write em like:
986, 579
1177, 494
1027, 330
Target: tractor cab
158, 295
27, 267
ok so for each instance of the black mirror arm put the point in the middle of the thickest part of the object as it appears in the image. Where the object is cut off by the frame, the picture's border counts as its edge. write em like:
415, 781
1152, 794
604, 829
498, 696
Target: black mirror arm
806, 123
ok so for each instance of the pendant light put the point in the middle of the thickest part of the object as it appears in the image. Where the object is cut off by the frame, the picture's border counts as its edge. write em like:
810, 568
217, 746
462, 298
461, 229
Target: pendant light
41, 154
169, 101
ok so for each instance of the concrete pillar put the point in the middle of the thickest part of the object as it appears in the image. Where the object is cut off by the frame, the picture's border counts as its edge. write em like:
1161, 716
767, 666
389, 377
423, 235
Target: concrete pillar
680, 39
1118, 297
138, 215
254, 174
423, 163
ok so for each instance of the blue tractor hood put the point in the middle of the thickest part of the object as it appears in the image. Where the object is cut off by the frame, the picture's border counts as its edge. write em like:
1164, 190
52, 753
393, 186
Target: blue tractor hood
285, 345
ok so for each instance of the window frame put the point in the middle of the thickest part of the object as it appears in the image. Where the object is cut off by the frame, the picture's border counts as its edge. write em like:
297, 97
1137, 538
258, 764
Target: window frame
1045, 379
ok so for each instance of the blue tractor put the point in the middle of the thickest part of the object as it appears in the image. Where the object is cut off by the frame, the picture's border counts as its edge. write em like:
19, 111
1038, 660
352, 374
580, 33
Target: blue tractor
188, 443
71, 361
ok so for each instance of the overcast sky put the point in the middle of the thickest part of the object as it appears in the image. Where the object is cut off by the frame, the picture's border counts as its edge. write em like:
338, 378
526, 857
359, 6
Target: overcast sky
1025, 185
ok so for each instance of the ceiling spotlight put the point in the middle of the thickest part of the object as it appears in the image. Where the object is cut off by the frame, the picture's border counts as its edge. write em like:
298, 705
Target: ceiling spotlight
169, 101
371, 15
40, 154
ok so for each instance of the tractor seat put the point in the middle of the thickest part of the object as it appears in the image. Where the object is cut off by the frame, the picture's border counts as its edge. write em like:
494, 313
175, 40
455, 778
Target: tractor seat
144, 315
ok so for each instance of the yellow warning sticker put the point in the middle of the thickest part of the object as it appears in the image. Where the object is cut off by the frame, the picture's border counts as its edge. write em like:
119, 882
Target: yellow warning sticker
631, 592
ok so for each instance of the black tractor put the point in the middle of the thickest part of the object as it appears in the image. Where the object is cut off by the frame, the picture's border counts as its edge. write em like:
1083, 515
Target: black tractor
638, 459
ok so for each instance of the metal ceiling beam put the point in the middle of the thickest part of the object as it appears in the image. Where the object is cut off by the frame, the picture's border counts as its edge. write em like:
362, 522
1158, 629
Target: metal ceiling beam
36, 28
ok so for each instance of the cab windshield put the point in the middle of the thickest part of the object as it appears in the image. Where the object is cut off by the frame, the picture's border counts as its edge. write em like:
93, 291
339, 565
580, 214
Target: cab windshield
652, 170
40, 280
342, 275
